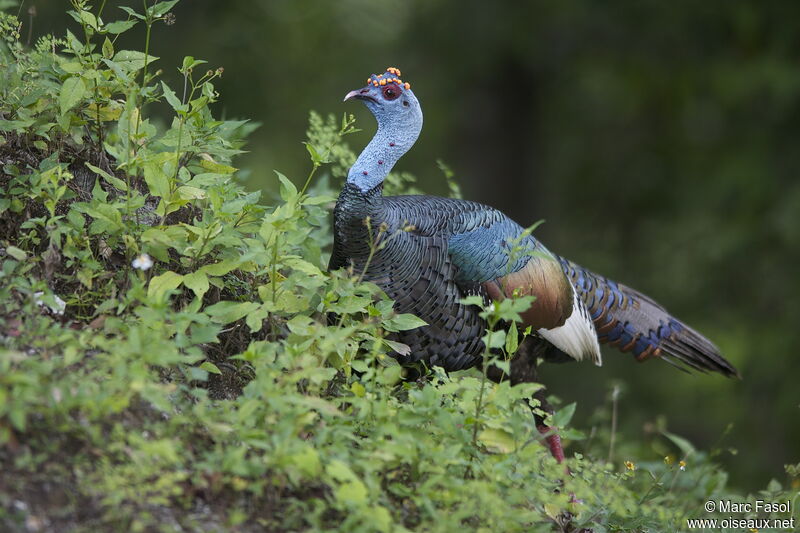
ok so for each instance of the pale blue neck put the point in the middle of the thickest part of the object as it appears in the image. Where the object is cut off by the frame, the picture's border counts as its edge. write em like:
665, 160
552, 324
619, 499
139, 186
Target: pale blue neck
384, 150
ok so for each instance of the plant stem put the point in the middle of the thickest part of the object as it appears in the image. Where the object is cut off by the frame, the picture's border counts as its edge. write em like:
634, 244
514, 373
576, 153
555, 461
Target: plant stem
149, 24
614, 397
479, 403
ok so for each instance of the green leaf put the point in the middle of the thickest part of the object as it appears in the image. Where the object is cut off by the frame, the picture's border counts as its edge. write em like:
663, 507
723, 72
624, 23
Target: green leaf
161, 8
191, 193
684, 445
403, 322
113, 180
210, 367
120, 26
156, 178
495, 339
497, 440
159, 285
472, 300
213, 166
352, 492
190, 62
197, 282
512, 340
87, 18
316, 158
226, 312
172, 99
132, 60
255, 319
71, 93
399, 347
221, 268
317, 200
288, 190
562, 417
302, 265
132, 13
108, 49
16, 253
358, 389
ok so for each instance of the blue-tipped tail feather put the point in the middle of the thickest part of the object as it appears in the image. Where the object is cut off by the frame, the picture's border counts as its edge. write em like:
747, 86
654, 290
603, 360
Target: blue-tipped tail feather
633, 322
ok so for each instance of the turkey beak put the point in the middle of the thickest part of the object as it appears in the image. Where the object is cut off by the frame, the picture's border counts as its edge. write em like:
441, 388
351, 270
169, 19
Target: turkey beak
359, 94
351, 95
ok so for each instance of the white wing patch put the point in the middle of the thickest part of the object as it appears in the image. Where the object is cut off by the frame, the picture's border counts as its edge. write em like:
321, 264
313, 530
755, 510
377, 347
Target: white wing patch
577, 336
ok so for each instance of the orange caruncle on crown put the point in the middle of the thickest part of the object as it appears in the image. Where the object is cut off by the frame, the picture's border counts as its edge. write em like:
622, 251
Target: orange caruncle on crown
392, 75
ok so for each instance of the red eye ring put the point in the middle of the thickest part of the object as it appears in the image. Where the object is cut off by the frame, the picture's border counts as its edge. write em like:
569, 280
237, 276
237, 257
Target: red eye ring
391, 91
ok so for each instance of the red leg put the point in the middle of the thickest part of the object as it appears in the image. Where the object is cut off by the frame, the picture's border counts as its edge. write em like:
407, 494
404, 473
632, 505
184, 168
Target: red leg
553, 442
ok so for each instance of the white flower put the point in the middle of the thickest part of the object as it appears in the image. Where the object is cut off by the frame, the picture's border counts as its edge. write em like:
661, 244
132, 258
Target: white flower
142, 262
59, 306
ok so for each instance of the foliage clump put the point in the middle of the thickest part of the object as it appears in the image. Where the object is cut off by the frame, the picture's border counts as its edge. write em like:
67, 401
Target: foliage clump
169, 356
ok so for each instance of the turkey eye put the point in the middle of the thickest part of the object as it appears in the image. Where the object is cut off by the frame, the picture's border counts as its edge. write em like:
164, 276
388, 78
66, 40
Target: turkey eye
390, 93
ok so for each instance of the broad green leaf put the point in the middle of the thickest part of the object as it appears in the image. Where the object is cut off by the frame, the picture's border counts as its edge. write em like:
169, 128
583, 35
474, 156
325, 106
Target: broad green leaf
563, 416
339, 471
512, 340
210, 367
221, 268
213, 166
132, 13
399, 347
88, 18
358, 389
197, 282
403, 322
288, 190
159, 285
190, 62
161, 8
316, 158
226, 312
191, 193
132, 60
495, 339
158, 181
317, 200
255, 319
120, 26
108, 48
171, 98
71, 93
684, 445
472, 300
16, 253
497, 440
352, 492
302, 265
113, 180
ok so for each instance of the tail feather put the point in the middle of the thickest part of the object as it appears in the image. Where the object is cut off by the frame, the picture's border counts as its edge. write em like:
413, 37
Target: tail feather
633, 322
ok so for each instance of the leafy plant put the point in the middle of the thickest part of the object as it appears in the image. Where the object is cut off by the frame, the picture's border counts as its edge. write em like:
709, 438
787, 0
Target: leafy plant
174, 357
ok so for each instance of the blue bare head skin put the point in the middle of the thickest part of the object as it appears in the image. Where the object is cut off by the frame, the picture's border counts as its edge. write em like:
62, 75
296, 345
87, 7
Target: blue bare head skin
399, 118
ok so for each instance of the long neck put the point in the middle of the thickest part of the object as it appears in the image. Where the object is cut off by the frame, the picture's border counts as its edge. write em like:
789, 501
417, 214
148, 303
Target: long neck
386, 147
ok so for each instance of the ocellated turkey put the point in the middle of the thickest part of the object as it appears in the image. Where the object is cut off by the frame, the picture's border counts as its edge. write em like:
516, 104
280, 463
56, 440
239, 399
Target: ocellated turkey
443, 249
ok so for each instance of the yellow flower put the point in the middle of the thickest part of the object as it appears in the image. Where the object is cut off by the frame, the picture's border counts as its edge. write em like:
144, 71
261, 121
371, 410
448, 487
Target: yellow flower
682, 465
668, 460
630, 465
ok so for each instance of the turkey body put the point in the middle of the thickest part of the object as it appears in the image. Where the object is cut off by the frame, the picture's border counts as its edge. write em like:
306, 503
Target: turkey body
437, 251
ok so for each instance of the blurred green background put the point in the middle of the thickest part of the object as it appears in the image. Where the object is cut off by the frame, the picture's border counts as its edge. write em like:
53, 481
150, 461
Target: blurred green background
660, 141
